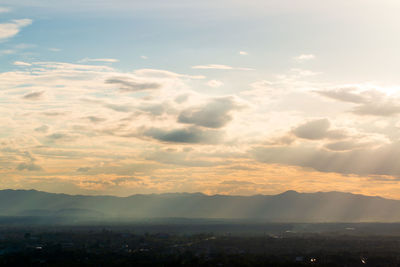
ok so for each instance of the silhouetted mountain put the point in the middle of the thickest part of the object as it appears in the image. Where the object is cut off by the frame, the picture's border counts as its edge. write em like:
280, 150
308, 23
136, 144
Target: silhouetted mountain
289, 206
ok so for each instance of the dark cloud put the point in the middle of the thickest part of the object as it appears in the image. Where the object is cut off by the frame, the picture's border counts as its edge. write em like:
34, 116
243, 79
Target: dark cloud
34, 95
241, 168
59, 137
129, 85
381, 160
370, 102
121, 180
95, 182
193, 135
29, 167
42, 129
344, 95
215, 114
348, 145
83, 169
95, 119
236, 183
119, 108
56, 136
317, 130
183, 158
114, 182
181, 98
313, 130
156, 109
28, 155
384, 109
54, 113
283, 140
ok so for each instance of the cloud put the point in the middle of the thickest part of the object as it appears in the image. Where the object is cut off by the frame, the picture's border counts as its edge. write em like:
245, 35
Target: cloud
369, 102
29, 167
123, 180
344, 94
10, 29
53, 113
164, 74
191, 135
42, 129
21, 63
83, 169
385, 109
215, 114
215, 83
106, 60
236, 183
215, 127
304, 73
5, 10
131, 85
95, 119
283, 140
312, 130
119, 108
73, 70
156, 109
183, 158
218, 67
181, 98
304, 57
213, 66
24, 46
7, 51
59, 137
34, 95
348, 145
317, 130
264, 91
243, 53
378, 160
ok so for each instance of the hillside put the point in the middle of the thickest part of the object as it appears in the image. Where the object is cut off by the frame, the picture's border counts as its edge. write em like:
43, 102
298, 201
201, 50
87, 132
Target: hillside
289, 206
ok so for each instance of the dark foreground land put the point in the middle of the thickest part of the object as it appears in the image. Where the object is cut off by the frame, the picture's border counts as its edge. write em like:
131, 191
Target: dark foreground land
192, 244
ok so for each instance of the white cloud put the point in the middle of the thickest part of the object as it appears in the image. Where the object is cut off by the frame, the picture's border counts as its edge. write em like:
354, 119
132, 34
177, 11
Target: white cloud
24, 46
19, 48
5, 10
304, 57
215, 83
165, 74
21, 63
106, 60
7, 52
10, 29
243, 53
302, 72
213, 66
218, 67
143, 57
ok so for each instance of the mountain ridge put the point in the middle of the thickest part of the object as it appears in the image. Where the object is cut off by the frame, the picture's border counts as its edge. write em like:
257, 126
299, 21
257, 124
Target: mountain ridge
288, 206
200, 193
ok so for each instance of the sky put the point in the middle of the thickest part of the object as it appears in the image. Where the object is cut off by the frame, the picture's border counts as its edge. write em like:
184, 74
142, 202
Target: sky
220, 97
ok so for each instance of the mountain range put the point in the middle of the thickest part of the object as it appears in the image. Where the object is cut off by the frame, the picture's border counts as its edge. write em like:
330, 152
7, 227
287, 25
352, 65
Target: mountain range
289, 206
